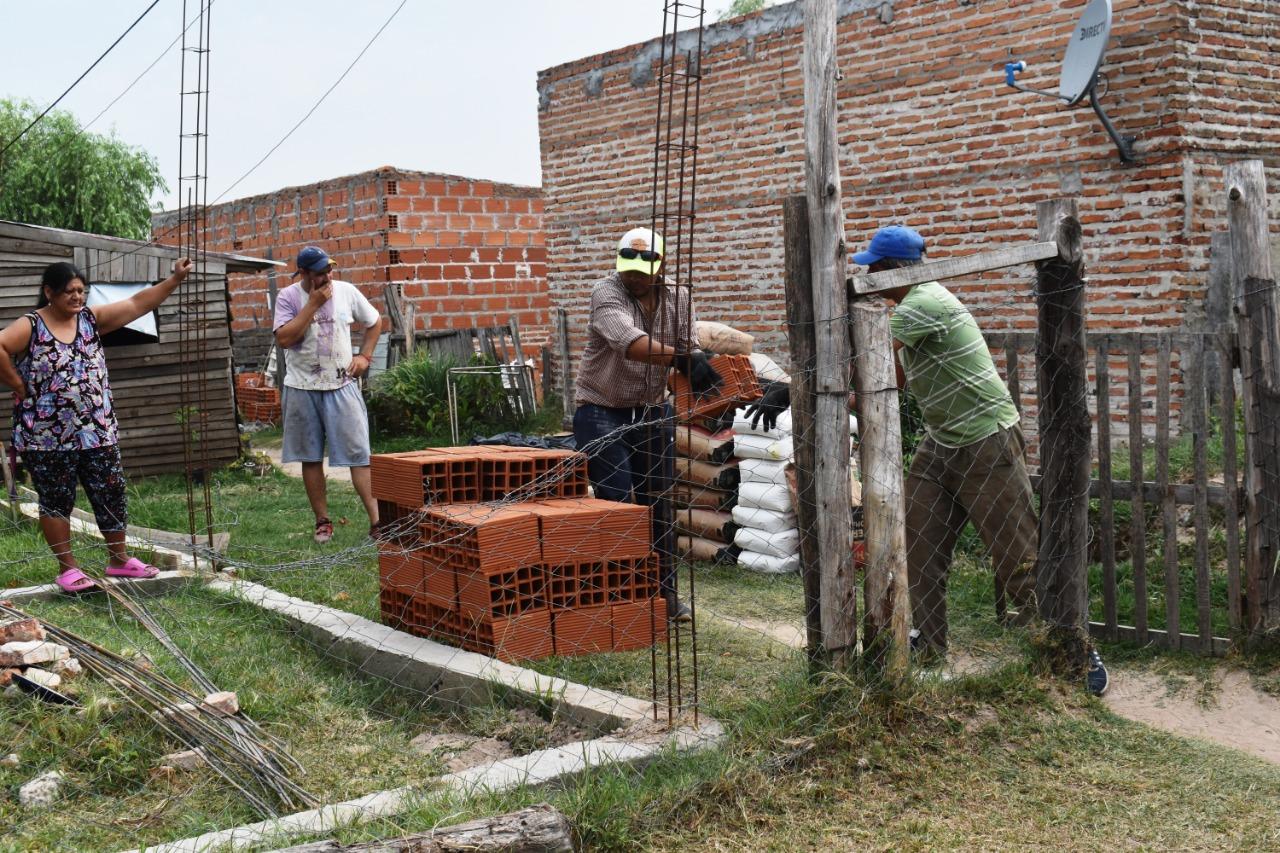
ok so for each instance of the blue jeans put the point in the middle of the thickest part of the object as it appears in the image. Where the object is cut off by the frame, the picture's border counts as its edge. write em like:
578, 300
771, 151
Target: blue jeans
631, 458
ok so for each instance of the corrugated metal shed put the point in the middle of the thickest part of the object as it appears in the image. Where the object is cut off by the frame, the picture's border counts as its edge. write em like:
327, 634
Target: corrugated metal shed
145, 379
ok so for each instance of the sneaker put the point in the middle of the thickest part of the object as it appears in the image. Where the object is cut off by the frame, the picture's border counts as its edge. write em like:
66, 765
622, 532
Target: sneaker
324, 530
1096, 679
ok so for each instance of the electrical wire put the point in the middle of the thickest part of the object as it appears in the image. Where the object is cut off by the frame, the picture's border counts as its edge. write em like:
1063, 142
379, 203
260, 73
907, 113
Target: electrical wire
316, 105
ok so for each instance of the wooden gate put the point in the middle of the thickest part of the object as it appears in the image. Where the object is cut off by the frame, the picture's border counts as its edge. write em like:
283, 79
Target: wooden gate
1166, 509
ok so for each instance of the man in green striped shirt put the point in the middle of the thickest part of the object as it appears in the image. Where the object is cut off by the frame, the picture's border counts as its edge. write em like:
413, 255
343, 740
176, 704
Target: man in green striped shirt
970, 464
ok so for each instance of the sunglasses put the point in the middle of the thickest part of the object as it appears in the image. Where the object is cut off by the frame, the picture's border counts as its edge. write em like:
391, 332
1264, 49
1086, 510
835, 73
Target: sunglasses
645, 255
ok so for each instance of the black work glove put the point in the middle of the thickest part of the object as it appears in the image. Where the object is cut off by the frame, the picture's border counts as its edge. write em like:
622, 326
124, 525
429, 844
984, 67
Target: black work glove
776, 400
696, 367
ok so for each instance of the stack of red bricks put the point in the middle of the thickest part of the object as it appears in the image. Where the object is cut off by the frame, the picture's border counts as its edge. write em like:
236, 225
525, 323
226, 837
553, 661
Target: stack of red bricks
738, 385
500, 551
258, 402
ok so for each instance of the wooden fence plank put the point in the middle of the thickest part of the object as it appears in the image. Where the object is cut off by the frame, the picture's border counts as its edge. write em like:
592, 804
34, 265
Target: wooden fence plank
1194, 396
1169, 512
1106, 504
953, 267
1230, 507
1137, 529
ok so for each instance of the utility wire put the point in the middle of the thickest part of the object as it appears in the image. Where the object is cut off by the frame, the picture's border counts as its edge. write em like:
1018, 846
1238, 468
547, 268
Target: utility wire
317, 104
36, 120
146, 70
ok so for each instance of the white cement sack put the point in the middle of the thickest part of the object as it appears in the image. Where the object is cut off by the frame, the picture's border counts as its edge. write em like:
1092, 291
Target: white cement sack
761, 447
768, 520
768, 564
742, 425
767, 369
784, 544
762, 471
765, 496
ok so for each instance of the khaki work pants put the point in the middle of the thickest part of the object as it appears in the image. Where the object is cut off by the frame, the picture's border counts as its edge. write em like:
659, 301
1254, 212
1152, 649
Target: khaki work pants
985, 482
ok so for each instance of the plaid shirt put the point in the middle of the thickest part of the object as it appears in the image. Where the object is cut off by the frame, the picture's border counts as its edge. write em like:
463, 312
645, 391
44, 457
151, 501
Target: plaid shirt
606, 376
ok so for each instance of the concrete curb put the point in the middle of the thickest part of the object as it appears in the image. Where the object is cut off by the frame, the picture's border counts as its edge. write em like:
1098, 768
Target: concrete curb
421, 664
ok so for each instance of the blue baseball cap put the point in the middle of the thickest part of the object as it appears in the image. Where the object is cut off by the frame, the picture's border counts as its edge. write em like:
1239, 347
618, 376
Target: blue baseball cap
892, 241
313, 258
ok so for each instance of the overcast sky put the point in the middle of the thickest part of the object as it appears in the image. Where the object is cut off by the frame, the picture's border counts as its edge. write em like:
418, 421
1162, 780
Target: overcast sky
448, 87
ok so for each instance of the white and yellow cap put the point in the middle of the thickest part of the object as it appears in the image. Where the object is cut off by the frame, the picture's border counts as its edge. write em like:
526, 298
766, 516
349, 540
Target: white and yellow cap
636, 242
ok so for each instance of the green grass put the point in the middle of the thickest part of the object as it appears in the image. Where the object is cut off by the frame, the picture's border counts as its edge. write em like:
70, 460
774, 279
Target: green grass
351, 733
1004, 759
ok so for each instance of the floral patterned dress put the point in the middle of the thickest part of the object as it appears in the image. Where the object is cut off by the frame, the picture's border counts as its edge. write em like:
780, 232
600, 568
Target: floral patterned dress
68, 403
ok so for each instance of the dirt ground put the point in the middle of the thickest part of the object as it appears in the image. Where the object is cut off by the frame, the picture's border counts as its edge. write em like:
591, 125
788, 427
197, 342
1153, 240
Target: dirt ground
1234, 713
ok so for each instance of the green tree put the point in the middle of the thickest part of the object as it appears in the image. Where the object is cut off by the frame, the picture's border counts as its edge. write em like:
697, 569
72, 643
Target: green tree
743, 7
64, 177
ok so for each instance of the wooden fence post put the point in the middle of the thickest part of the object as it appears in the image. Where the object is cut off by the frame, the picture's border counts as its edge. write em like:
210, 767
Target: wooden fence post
1259, 321
799, 293
1065, 453
885, 623
831, 366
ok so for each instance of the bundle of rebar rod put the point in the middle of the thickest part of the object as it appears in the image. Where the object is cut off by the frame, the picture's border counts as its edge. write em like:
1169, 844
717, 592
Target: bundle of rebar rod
252, 761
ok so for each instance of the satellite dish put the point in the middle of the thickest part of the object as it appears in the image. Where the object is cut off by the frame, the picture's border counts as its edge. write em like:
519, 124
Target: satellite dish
1084, 53
1080, 65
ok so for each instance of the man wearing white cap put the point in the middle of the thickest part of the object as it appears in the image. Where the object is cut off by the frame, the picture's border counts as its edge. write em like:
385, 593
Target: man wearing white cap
640, 328
322, 400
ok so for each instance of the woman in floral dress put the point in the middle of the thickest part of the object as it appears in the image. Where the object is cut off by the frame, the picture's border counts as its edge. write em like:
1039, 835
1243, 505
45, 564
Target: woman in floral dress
64, 424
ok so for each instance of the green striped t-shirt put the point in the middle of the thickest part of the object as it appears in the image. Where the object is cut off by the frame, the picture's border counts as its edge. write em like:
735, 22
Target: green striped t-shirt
949, 368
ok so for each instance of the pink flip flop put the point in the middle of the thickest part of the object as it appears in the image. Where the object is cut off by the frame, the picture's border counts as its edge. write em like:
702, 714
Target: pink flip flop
74, 582
133, 568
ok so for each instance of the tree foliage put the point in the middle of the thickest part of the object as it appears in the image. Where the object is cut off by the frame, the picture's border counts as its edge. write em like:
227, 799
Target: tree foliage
743, 7
64, 177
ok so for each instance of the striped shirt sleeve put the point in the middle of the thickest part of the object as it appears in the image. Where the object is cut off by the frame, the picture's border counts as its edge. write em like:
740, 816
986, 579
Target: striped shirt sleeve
613, 320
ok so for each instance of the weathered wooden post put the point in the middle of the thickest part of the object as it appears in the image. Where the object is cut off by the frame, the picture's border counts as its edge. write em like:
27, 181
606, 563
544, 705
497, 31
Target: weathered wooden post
799, 292
885, 601
1062, 586
1259, 321
831, 339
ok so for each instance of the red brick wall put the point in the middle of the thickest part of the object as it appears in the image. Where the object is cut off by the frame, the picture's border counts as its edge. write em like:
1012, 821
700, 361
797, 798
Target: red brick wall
468, 252
930, 136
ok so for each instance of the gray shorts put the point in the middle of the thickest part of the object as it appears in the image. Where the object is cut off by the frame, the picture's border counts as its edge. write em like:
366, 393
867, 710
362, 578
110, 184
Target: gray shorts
313, 417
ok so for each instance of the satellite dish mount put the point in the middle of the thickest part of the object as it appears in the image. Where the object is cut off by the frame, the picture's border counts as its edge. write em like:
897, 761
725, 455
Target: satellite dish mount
1080, 66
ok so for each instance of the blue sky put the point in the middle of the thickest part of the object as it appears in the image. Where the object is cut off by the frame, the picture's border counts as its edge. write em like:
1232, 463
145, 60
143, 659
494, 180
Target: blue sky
448, 87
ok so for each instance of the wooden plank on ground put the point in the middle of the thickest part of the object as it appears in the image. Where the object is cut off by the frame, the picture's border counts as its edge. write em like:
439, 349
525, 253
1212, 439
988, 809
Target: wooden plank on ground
954, 267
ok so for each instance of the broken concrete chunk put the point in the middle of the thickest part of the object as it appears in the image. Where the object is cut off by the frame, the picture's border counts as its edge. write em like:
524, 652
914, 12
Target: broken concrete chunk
30, 652
20, 630
224, 703
188, 759
41, 791
43, 677
67, 668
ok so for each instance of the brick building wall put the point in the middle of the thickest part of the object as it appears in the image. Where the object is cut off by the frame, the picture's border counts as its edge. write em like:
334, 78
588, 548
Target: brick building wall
468, 252
930, 136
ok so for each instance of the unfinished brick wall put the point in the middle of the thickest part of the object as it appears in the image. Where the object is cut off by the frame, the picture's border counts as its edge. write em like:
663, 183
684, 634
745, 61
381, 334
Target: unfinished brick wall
468, 252
929, 136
